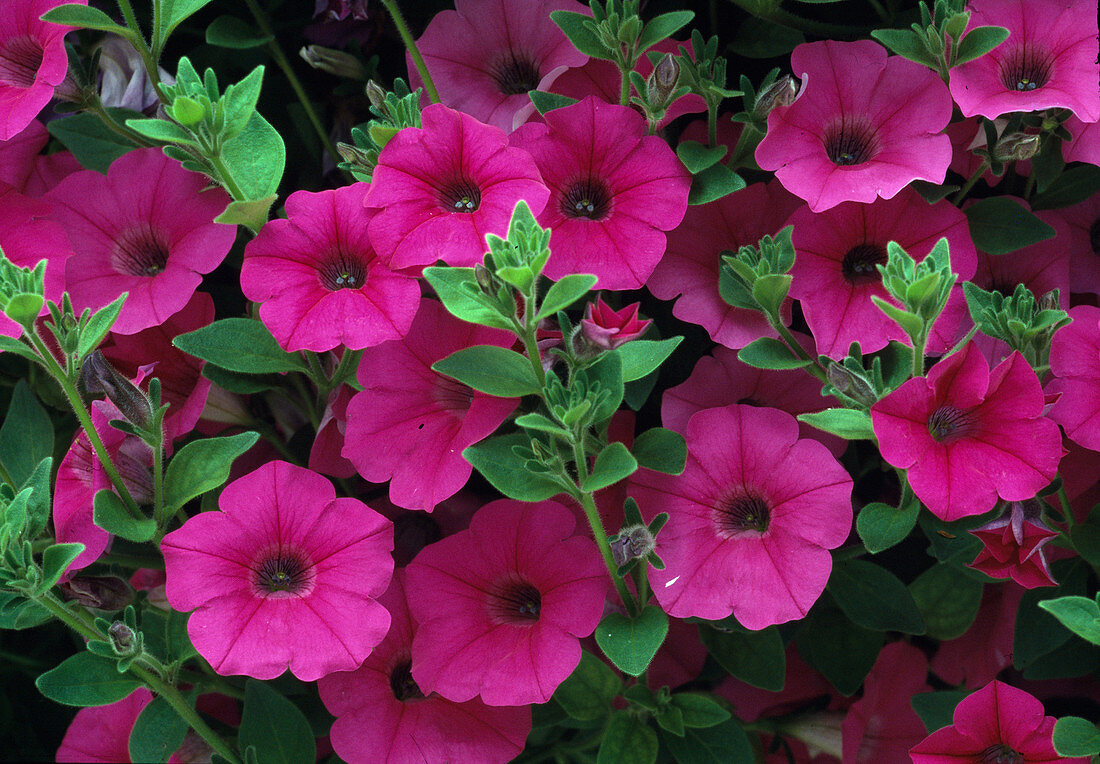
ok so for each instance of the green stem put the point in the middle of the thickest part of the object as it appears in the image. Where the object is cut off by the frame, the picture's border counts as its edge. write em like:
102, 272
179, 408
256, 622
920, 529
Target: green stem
410, 45
815, 368
211, 682
225, 177
530, 341
712, 125
879, 10
918, 353
624, 86
158, 489
970, 183
1067, 508
962, 343
97, 108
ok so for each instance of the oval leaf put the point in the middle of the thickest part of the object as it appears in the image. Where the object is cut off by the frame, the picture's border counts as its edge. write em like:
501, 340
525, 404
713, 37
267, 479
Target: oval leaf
490, 369
874, 598
769, 353
239, 344
565, 292
86, 680
201, 466
640, 357
632, 643
1000, 225
157, 733
110, 514
496, 461
612, 465
276, 728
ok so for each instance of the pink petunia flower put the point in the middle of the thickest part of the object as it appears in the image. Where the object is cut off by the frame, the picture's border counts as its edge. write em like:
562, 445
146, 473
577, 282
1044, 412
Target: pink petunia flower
440, 188
410, 424
614, 191
29, 171
1013, 546
980, 654
863, 125
32, 61
882, 726
967, 435
1075, 362
485, 55
607, 328
996, 723
318, 278
383, 716
834, 274
502, 605
285, 576
1085, 146
751, 518
146, 229
324, 456
1047, 62
692, 264
1081, 238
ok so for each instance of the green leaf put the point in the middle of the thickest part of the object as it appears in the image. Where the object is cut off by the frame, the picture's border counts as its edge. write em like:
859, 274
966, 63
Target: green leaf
874, 598
541, 423
978, 42
157, 733
1037, 632
640, 357
93, 144
628, 738
496, 461
936, 709
881, 526
614, 463
12, 345
162, 130
1074, 736
231, 32
948, 599
38, 504
239, 102
84, 17
583, 39
1078, 614
55, 561
760, 38
111, 515
242, 345
26, 436
906, 44
255, 158
99, 324
662, 27
172, 13
754, 657
699, 711
546, 102
713, 183
275, 726
632, 643
950, 542
86, 680
202, 466
910, 323
768, 353
242, 384
564, 293
608, 371
1086, 537
770, 290
697, 157
725, 743
661, 450
849, 424
252, 213
1073, 186
17, 613
588, 692
1076, 658
177, 642
1000, 225
459, 300
838, 648
490, 369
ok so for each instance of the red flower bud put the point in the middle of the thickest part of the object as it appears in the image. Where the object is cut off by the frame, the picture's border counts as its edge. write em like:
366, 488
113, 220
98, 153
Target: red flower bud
608, 329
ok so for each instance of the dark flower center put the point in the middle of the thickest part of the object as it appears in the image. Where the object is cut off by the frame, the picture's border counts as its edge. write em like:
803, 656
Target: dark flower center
947, 424
516, 602
20, 58
516, 74
1000, 754
1094, 236
452, 396
283, 572
850, 142
858, 266
1026, 68
342, 272
140, 251
402, 684
742, 512
461, 195
588, 198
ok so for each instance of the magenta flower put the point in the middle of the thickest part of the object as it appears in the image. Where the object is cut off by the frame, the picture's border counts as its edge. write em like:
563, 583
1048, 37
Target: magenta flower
102, 734
863, 125
882, 725
1075, 362
147, 228
501, 606
1085, 146
1082, 240
32, 61
324, 456
968, 435
318, 278
485, 56
996, 723
383, 717
410, 424
751, 518
979, 655
607, 328
614, 191
691, 266
439, 189
285, 576
1013, 546
834, 274
1047, 62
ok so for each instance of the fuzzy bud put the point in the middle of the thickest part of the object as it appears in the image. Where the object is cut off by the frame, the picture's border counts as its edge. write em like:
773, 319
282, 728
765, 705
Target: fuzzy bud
632, 543
780, 93
100, 377
123, 639
335, 62
851, 384
661, 83
377, 97
1016, 147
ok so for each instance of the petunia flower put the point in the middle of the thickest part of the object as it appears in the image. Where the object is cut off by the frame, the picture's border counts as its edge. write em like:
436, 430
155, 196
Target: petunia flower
384, 717
29, 171
1075, 363
1085, 146
285, 576
985, 649
882, 725
863, 125
409, 424
502, 606
968, 435
147, 228
614, 191
607, 328
1012, 545
1082, 240
996, 723
485, 55
318, 279
1047, 62
440, 188
752, 518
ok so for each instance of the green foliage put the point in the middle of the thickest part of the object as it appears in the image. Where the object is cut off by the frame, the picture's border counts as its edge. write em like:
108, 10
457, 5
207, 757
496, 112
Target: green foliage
1078, 614
641, 357
564, 293
275, 727
999, 225
628, 738
498, 461
157, 733
93, 144
492, 370
462, 296
111, 515
242, 345
26, 436
588, 692
849, 424
231, 32
936, 709
202, 466
881, 526
84, 17
631, 643
948, 599
724, 743
769, 353
838, 648
874, 598
547, 102
1074, 736
661, 450
86, 680
614, 463
755, 657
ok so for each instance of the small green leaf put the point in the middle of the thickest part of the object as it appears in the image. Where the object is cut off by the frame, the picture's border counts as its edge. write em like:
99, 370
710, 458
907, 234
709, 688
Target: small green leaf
910, 323
242, 384
546, 102
255, 158
538, 422
172, 13
583, 39
769, 291
490, 369
614, 463
93, 144
724, 743
713, 183
1000, 225
157, 733
874, 598
239, 102
881, 526
12, 345
838, 648
455, 287
564, 293
906, 44
1073, 186
111, 515
55, 561
1078, 614
252, 213
948, 600
84, 17
661, 450
632, 643
589, 691
86, 680
697, 157
936, 709
699, 711
849, 424
768, 353
38, 503
202, 466
662, 27
17, 613
754, 657
231, 32
99, 324
278, 730
628, 738
26, 436
1074, 736
608, 371
496, 461
242, 345
979, 41
162, 130
641, 357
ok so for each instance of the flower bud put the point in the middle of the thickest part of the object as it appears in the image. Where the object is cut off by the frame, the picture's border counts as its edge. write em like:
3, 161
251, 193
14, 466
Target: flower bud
123, 639
662, 81
100, 377
22, 291
377, 97
335, 62
780, 93
355, 156
851, 384
1016, 147
98, 592
632, 543
607, 329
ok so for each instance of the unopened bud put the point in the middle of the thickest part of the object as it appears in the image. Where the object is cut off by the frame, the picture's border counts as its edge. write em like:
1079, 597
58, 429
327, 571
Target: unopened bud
377, 97
1049, 301
485, 279
1016, 147
22, 291
98, 592
780, 93
632, 543
100, 377
956, 24
335, 62
662, 81
851, 384
354, 155
122, 637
